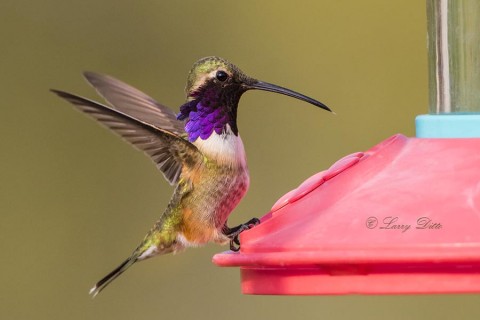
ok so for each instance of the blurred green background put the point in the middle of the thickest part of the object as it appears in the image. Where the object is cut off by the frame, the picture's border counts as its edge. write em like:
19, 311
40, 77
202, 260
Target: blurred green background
75, 199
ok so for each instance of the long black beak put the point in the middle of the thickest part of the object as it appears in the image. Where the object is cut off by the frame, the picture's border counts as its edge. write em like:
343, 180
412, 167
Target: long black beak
260, 85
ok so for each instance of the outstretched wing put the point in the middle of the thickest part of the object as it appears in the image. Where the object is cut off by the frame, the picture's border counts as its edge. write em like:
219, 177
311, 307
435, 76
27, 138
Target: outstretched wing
169, 151
135, 103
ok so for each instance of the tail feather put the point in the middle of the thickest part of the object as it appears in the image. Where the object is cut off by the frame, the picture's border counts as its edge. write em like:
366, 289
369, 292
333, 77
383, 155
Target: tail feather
105, 281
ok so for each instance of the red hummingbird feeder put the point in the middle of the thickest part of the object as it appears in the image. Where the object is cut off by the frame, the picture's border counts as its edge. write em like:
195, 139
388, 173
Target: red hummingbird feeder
401, 217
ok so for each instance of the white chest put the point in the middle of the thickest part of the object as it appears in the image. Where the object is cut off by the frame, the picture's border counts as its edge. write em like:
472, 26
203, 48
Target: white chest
225, 148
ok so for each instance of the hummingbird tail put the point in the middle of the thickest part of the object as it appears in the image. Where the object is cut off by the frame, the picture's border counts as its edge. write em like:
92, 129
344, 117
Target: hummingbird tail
105, 281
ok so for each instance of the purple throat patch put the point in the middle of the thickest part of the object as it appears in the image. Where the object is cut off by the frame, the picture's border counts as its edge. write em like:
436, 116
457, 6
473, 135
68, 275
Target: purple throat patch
203, 119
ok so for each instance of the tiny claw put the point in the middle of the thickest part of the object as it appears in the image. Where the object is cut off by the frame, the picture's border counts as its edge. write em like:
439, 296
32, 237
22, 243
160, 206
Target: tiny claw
233, 233
253, 222
235, 245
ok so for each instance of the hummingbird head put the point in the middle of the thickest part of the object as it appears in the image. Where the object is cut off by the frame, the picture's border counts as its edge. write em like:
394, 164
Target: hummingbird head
214, 87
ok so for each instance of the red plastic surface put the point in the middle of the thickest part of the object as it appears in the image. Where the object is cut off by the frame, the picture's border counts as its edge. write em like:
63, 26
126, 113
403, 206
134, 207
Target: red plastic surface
403, 217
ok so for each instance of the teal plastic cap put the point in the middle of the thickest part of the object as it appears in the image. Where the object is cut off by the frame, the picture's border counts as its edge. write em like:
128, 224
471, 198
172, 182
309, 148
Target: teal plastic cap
448, 125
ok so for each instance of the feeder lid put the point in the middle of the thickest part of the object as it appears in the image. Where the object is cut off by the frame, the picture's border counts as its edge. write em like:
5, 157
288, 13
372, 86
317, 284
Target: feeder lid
402, 217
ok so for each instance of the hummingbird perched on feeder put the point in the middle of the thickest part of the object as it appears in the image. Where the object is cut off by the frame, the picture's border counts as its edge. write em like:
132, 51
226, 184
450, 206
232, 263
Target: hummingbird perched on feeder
198, 150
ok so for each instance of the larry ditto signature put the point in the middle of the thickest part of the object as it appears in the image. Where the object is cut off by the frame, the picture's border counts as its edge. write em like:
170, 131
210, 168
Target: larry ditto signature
394, 223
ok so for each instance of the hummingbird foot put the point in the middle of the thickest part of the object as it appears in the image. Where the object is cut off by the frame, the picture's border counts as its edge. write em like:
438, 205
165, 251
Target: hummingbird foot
234, 233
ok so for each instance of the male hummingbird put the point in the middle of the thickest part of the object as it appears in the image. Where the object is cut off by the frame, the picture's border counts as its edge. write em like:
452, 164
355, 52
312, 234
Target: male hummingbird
198, 150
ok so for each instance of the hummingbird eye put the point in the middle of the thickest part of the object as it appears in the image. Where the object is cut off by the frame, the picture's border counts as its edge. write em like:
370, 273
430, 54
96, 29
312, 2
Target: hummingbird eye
221, 75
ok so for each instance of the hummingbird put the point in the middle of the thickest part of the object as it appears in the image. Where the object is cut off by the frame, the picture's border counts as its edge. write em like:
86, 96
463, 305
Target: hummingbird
199, 151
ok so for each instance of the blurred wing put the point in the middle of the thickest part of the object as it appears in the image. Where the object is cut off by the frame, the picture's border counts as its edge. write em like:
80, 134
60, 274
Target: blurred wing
135, 103
167, 150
